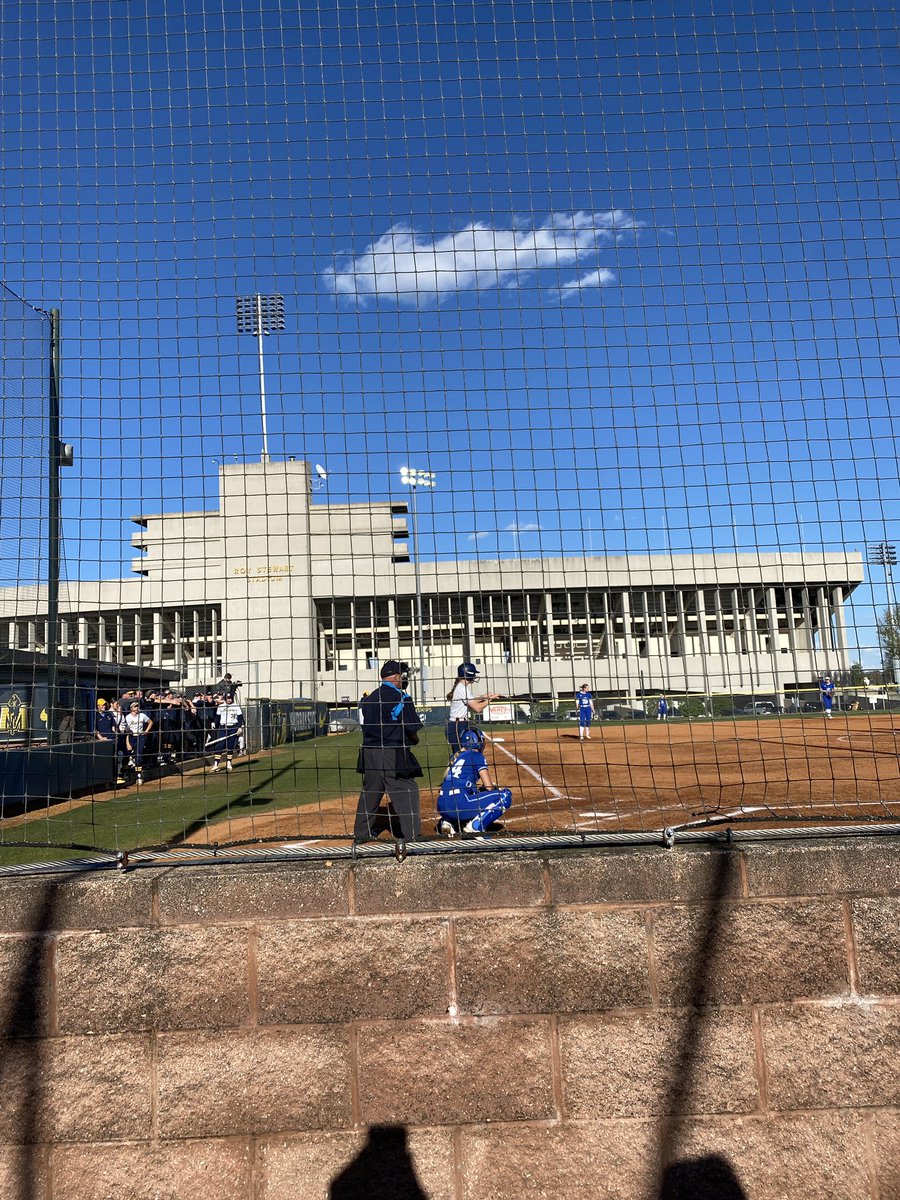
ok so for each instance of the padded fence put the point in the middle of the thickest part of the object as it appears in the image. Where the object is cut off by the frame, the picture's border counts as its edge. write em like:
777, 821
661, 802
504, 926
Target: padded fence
549, 350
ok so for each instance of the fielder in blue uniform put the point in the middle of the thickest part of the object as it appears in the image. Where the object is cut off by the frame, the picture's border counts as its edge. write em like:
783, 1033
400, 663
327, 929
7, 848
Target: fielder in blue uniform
826, 687
468, 801
585, 700
662, 709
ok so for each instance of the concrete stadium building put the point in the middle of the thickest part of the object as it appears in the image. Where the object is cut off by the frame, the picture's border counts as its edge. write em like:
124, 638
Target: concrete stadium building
298, 597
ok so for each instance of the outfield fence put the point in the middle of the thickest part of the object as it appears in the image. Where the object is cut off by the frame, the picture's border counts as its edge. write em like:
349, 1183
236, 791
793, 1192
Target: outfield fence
557, 342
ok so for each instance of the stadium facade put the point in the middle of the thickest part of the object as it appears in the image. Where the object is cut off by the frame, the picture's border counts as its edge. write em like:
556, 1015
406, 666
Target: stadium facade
301, 597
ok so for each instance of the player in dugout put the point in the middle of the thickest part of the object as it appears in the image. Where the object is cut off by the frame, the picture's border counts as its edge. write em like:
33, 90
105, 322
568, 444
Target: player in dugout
469, 802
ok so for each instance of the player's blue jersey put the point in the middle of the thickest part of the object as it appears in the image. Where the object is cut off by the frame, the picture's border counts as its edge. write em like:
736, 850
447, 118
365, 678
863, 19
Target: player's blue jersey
585, 701
462, 774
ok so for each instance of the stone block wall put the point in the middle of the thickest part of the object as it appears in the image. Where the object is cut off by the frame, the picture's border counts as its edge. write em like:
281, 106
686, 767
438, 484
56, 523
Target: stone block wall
637, 1024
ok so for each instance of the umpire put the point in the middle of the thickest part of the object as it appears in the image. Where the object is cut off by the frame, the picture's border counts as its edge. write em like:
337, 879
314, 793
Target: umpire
390, 726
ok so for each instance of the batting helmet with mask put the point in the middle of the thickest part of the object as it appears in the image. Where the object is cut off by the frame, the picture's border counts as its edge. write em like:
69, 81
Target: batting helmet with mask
472, 739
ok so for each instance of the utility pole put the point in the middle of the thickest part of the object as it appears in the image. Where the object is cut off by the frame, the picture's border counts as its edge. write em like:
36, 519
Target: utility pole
884, 554
261, 315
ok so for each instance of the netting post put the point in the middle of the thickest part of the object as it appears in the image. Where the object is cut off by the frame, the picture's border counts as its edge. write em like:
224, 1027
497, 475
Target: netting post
53, 529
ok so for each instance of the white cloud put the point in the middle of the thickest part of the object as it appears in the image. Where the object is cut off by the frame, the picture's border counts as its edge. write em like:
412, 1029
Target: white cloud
602, 277
514, 528
478, 537
409, 267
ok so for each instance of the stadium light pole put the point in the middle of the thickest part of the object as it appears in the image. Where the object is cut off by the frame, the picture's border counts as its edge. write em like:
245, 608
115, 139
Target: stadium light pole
261, 315
414, 479
884, 554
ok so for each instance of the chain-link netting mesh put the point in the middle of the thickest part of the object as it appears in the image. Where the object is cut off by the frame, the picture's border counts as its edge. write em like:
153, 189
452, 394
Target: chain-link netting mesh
549, 343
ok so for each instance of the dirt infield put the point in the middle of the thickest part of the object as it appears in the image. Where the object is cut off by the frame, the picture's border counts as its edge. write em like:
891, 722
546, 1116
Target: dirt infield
647, 776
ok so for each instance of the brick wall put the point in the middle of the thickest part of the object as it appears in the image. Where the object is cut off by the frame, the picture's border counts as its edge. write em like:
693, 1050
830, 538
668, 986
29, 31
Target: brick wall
637, 1024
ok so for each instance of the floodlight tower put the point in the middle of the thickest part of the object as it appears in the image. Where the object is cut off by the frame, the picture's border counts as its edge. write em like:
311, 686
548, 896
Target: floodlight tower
884, 554
261, 315
414, 479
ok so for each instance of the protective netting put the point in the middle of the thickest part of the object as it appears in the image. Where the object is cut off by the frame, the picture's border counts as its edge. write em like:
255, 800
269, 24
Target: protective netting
554, 338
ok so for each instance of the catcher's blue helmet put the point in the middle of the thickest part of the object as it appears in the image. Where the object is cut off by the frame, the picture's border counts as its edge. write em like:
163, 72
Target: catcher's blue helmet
472, 739
467, 671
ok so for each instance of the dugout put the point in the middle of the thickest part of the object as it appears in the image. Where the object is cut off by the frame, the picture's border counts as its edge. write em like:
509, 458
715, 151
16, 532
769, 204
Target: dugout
31, 768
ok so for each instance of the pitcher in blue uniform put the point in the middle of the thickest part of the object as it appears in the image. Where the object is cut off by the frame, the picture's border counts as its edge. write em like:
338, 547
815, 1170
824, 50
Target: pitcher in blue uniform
585, 700
468, 801
826, 687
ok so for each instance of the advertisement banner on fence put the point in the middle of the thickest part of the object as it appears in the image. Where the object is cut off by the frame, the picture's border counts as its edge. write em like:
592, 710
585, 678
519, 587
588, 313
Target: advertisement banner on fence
498, 712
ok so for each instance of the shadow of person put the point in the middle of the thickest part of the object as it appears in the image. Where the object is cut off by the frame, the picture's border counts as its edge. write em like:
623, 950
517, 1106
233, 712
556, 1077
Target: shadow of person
383, 1169
709, 1178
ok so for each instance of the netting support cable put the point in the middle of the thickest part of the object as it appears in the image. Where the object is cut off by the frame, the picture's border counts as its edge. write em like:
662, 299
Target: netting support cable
726, 838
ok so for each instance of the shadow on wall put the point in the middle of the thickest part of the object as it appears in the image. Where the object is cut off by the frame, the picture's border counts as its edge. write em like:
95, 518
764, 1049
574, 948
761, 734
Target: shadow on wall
383, 1170
20, 1045
710, 1178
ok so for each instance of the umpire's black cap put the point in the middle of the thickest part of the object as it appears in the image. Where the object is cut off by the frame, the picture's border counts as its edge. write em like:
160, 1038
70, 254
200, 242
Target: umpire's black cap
393, 667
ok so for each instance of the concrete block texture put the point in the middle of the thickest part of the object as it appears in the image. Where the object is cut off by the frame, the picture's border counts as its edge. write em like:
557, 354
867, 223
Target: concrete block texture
446, 1072
309, 971
817, 1156
876, 930
24, 1173
654, 876
884, 1133
101, 900
574, 1024
456, 885
841, 867
383, 1163
750, 953
597, 1160
252, 893
562, 961
253, 1082
26, 975
820, 1056
81, 1089
652, 1063
203, 1170
187, 978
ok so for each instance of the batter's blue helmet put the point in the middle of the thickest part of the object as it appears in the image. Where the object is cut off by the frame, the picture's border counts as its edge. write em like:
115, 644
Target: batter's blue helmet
467, 671
472, 739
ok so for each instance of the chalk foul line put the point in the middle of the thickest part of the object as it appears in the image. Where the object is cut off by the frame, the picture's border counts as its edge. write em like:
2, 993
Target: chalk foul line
554, 791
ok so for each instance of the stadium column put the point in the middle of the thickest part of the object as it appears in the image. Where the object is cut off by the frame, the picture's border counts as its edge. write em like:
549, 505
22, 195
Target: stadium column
681, 626
626, 624
774, 645
157, 637
826, 640
808, 623
393, 631
469, 642
548, 618
840, 626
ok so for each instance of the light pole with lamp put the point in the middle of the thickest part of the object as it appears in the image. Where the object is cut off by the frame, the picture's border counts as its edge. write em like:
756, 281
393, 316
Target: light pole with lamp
414, 479
261, 315
884, 554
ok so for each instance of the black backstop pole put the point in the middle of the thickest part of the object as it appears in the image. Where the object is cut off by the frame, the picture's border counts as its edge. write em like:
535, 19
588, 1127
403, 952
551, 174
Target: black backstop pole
53, 531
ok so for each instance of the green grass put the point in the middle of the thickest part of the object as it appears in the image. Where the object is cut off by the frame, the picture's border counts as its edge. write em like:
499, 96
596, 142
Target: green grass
300, 774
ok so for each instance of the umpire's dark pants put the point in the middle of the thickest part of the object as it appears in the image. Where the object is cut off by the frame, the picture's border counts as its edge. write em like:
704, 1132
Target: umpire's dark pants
379, 779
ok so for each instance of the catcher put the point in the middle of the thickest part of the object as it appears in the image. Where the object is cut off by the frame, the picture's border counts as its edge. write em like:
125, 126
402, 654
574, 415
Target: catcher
468, 801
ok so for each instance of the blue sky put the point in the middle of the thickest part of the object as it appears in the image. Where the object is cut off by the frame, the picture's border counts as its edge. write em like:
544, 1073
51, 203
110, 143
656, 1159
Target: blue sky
622, 274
